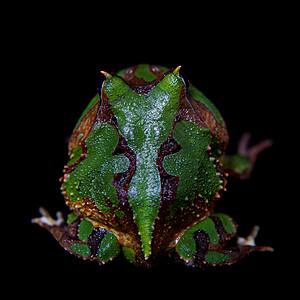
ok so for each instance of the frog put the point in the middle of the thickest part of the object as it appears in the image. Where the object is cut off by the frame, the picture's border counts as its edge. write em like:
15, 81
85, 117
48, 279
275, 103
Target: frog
147, 164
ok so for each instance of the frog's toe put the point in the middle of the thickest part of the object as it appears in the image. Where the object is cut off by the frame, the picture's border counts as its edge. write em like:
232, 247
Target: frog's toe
250, 241
205, 244
253, 151
80, 237
241, 164
46, 220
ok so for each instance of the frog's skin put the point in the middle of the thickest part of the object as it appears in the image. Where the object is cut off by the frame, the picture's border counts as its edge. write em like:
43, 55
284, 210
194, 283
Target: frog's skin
146, 167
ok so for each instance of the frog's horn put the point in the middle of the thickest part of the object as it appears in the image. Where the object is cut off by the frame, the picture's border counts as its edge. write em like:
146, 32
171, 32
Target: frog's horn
107, 75
176, 70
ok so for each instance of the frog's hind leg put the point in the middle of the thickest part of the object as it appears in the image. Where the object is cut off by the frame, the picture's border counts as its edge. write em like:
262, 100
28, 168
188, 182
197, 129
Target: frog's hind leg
233, 254
206, 243
80, 237
250, 241
57, 228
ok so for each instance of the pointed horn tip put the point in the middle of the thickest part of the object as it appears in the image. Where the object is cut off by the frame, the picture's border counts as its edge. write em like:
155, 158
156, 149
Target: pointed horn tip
177, 69
106, 74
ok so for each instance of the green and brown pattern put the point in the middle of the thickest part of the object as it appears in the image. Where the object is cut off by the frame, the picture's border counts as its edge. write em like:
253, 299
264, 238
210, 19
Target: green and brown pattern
145, 171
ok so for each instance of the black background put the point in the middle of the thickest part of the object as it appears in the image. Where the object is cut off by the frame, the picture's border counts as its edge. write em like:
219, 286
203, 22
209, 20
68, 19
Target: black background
238, 61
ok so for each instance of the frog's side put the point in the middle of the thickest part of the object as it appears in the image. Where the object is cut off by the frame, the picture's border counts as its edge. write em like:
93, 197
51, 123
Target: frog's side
146, 167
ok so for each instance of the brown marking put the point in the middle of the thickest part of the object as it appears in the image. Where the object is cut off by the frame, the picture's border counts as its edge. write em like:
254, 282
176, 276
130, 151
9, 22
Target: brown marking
120, 224
166, 229
94, 241
82, 130
195, 111
224, 236
210, 121
202, 244
139, 85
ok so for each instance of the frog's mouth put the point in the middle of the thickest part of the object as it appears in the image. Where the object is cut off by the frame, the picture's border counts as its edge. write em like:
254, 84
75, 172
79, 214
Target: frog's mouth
143, 77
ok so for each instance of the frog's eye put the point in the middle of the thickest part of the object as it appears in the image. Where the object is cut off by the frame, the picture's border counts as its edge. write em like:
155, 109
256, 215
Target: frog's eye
128, 71
157, 71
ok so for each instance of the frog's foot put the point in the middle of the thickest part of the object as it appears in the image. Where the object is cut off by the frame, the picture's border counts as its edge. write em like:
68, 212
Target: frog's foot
230, 255
80, 237
251, 152
250, 241
57, 228
47, 221
241, 164
205, 244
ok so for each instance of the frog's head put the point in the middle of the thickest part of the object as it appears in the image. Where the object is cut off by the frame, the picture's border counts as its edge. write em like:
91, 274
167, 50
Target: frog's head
142, 74
141, 79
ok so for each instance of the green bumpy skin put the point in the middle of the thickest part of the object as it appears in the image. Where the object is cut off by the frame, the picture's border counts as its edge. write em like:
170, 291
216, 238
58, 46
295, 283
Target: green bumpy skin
206, 239
144, 173
144, 121
90, 242
93, 177
193, 165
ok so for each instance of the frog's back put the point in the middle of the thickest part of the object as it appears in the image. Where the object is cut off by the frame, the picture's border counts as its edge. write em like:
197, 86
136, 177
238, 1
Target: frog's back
169, 136
144, 174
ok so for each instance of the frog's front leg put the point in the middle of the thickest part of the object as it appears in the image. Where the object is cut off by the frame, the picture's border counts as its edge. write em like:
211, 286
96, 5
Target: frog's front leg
80, 237
241, 164
204, 243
